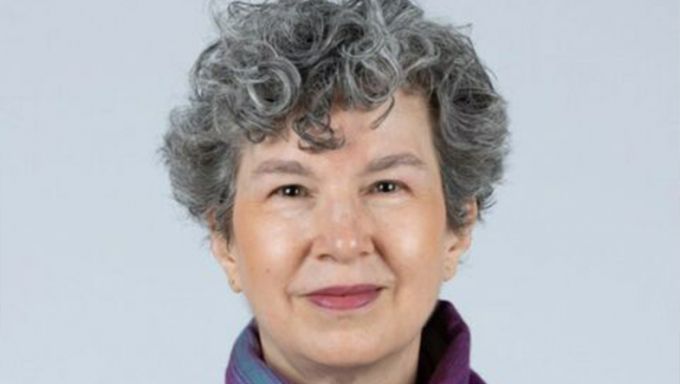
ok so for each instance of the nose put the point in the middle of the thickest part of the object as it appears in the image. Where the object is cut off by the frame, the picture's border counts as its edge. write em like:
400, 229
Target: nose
343, 230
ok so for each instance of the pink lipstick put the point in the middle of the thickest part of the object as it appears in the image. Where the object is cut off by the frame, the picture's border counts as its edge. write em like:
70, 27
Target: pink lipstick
345, 297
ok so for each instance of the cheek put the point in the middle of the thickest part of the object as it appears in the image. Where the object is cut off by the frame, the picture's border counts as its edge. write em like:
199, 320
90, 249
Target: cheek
413, 237
267, 246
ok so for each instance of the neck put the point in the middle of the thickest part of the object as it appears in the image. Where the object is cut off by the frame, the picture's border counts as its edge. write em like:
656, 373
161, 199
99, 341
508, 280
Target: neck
398, 368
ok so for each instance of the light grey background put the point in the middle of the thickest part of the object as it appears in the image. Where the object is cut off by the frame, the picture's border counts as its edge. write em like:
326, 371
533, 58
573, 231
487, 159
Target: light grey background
571, 280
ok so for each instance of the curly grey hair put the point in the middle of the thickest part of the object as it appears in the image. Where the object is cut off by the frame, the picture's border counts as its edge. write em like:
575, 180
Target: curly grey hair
288, 60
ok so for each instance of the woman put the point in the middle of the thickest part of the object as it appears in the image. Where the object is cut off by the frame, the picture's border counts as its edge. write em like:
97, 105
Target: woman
340, 154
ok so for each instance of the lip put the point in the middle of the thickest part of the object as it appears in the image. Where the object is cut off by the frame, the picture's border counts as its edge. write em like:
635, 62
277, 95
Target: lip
345, 297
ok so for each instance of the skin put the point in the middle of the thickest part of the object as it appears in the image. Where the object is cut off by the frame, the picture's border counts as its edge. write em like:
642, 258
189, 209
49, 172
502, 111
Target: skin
337, 223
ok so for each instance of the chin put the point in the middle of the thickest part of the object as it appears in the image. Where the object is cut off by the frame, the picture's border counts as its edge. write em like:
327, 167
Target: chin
347, 350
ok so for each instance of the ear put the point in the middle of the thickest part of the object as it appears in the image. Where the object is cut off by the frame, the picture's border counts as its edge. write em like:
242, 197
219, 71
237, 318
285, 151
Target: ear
458, 242
225, 256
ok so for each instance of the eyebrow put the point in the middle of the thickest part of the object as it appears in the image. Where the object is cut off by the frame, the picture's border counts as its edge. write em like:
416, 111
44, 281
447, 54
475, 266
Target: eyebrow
292, 167
392, 161
289, 167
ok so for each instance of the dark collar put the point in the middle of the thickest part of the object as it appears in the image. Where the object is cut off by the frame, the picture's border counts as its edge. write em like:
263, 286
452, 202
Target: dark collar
444, 353
445, 349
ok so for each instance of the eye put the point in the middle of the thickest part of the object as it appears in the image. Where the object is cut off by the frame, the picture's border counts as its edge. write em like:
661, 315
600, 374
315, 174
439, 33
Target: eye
387, 186
291, 190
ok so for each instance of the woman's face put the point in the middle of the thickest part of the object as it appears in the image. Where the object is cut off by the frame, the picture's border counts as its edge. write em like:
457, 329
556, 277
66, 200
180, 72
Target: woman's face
369, 215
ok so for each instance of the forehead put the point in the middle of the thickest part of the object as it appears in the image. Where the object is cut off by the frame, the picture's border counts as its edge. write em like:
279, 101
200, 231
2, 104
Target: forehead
407, 128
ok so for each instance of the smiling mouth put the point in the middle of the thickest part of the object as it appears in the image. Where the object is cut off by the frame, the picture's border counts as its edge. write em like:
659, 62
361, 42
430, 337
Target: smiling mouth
344, 298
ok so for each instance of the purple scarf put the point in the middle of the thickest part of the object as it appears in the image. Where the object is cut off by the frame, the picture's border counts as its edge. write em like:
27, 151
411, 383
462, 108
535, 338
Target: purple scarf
444, 353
